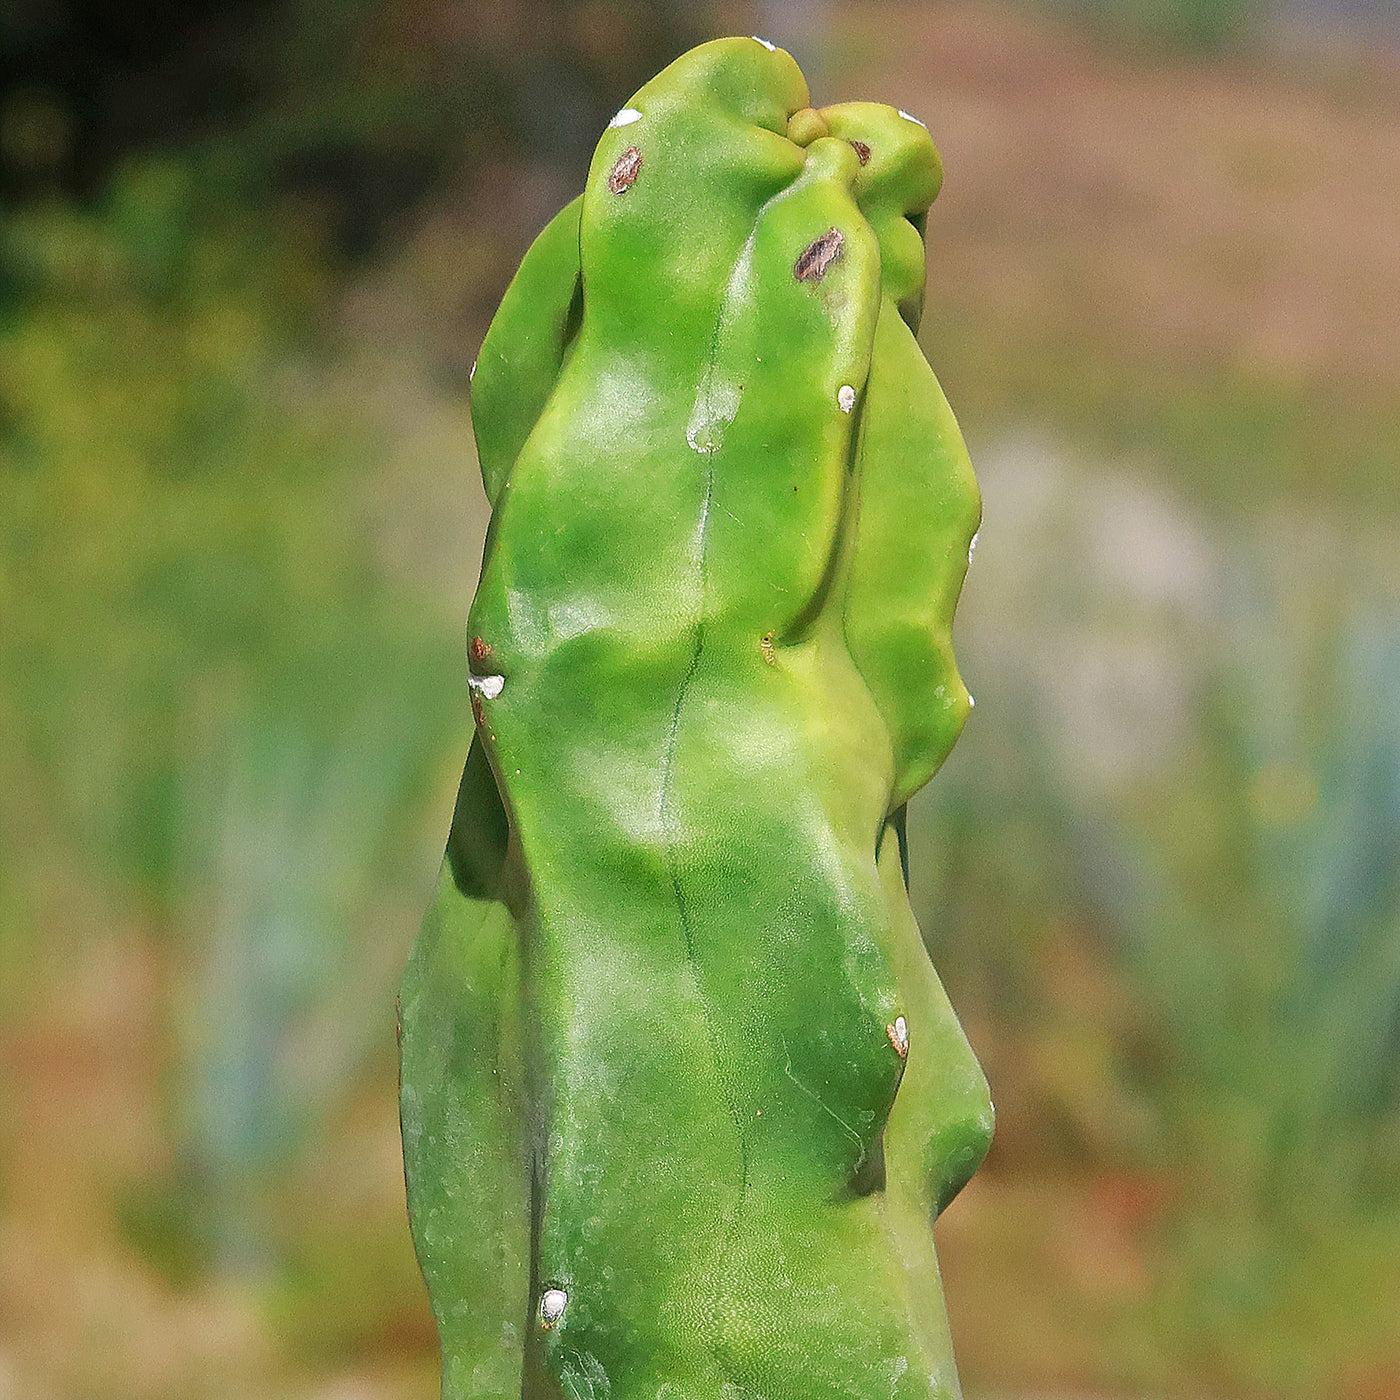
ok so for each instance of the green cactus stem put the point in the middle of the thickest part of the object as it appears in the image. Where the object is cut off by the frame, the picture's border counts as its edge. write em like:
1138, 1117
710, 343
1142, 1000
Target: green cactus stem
682, 1094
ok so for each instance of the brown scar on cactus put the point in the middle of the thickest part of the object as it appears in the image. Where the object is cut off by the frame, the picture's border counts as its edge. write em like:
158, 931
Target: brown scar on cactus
479, 651
818, 255
765, 642
625, 170
862, 151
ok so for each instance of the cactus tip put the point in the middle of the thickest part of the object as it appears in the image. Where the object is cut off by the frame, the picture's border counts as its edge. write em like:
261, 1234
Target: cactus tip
910, 117
807, 125
772, 48
625, 117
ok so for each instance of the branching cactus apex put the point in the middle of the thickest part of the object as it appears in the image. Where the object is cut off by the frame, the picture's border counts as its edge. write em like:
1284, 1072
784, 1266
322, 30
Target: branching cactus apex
682, 1094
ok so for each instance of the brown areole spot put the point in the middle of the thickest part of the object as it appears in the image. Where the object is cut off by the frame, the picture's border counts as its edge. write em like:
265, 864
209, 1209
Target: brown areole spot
862, 152
818, 255
478, 650
625, 170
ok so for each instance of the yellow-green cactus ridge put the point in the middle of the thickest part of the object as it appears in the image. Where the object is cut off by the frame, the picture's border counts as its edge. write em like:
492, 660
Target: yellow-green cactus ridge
681, 1091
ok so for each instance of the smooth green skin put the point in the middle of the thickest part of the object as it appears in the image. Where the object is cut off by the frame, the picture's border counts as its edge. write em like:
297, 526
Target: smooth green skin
647, 1055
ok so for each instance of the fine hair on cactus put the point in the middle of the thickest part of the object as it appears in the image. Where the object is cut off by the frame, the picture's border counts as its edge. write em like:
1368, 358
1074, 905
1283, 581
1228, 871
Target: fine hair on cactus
681, 1091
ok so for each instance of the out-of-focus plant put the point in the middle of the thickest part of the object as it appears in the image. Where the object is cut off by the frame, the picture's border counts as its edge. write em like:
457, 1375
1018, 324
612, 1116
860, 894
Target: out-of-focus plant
1273, 963
1206, 774
1203, 25
160, 492
226, 715
357, 108
299, 813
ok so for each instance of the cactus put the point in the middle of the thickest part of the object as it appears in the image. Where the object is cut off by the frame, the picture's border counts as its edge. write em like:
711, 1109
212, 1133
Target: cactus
681, 1092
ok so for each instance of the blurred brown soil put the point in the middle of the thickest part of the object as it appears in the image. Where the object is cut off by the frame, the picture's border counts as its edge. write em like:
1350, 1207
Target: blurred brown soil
1237, 213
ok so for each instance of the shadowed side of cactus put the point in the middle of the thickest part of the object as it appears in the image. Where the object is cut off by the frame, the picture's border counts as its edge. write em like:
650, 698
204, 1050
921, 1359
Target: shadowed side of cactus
681, 1091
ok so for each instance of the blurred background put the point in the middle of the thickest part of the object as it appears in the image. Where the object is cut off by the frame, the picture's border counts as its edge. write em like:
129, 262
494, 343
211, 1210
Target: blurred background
248, 249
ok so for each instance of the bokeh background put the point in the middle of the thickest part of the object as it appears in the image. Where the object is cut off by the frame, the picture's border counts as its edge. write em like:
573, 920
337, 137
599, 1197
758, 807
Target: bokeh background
248, 249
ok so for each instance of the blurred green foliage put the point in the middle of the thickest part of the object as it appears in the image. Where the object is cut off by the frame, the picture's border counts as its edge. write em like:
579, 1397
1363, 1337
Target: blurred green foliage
227, 712
1195, 766
1201, 25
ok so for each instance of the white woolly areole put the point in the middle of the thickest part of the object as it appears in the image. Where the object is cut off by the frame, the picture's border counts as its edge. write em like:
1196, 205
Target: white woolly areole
625, 117
846, 397
552, 1304
489, 686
